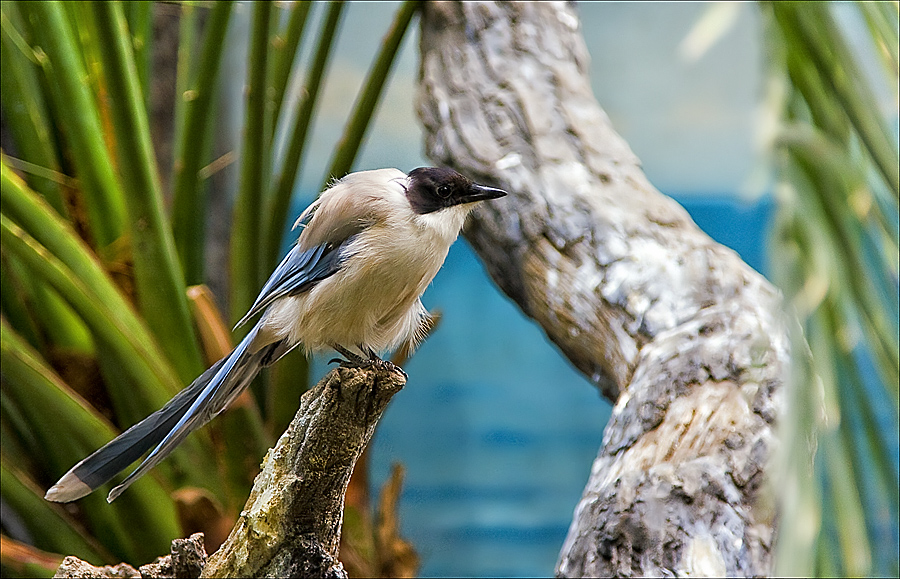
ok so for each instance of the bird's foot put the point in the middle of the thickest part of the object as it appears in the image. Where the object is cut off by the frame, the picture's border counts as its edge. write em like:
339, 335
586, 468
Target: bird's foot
352, 360
356, 361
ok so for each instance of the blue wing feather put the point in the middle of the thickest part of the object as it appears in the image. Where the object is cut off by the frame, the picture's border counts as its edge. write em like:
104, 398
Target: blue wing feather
212, 391
218, 387
299, 271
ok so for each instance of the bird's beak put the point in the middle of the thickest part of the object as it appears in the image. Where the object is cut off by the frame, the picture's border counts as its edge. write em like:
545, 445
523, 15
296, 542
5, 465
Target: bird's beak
478, 192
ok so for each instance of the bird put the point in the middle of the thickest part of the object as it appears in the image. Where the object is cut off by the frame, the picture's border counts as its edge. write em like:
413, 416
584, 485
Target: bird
368, 247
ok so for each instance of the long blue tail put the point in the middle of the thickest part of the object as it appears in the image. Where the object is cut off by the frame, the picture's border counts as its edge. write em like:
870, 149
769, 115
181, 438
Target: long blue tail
208, 395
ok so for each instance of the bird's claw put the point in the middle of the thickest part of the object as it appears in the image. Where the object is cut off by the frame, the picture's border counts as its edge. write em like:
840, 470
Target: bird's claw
356, 361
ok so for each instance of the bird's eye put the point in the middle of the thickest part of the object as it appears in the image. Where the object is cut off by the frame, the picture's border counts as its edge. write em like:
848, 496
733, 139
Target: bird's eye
444, 191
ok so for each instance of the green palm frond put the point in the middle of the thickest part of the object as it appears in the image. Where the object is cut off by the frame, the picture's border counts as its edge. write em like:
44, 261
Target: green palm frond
96, 326
835, 255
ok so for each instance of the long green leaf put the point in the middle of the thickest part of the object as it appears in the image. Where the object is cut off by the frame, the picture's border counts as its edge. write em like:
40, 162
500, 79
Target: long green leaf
868, 453
246, 269
882, 455
188, 23
828, 114
288, 380
838, 179
104, 322
367, 101
189, 206
50, 526
843, 470
160, 282
883, 27
280, 198
832, 56
24, 107
13, 304
72, 271
823, 166
57, 51
74, 431
60, 326
76, 270
798, 488
849, 516
285, 45
112, 323
835, 257
139, 15
243, 444
19, 439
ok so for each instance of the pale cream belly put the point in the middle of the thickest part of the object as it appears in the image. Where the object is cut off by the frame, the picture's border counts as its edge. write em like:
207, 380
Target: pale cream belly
374, 309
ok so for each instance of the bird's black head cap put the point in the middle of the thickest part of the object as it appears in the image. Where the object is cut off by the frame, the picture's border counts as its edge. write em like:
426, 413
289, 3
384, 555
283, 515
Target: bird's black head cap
434, 188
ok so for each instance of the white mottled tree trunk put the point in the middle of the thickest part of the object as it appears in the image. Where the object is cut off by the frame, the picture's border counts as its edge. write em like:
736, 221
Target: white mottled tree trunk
682, 335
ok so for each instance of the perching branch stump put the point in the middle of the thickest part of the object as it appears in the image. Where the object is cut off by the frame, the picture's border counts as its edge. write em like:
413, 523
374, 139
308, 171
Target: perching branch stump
291, 523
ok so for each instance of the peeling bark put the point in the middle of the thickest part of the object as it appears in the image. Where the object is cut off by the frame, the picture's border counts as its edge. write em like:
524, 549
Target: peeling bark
682, 335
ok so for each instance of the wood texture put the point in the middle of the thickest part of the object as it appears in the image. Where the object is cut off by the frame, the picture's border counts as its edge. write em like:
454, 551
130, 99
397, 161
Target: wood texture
291, 524
683, 336
184, 561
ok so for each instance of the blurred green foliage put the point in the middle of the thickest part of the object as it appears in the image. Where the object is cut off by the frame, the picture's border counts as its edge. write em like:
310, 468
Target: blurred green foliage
835, 255
98, 329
